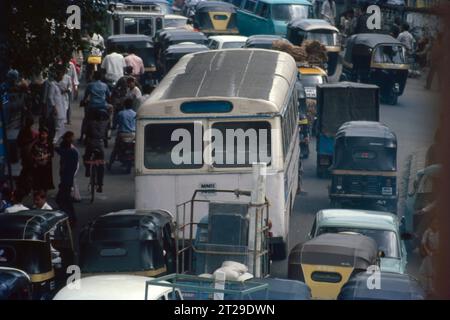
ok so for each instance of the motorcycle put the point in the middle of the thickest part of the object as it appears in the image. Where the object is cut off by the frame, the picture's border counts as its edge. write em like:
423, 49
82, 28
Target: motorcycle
124, 152
304, 137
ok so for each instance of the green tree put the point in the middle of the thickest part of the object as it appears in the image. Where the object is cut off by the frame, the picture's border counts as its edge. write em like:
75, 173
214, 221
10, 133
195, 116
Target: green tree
37, 34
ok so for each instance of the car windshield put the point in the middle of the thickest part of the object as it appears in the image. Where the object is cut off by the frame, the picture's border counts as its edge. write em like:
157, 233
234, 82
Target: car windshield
311, 80
287, 12
389, 54
232, 45
327, 38
386, 240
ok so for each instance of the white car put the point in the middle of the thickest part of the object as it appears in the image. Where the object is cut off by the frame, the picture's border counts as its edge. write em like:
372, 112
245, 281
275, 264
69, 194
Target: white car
226, 42
175, 21
115, 287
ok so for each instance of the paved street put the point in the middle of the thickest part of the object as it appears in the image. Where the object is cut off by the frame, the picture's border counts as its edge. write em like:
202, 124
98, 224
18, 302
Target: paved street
412, 120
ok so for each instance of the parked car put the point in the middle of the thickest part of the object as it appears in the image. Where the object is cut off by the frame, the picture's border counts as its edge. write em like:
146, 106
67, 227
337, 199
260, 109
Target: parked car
226, 42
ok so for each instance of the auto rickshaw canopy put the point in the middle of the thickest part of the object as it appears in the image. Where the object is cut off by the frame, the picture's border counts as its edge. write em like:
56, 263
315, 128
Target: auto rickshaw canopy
365, 145
30, 224
311, 25
364, 44
393, 286
211, 6
346, 250
129, 241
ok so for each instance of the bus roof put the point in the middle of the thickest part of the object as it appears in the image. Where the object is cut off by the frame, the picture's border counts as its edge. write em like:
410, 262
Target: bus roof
250, 74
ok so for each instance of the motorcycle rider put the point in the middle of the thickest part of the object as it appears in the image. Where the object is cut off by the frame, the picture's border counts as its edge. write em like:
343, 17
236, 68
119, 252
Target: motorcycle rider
126, 121
113, 65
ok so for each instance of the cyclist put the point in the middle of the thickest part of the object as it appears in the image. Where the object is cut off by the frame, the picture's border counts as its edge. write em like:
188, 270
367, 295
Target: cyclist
95, 133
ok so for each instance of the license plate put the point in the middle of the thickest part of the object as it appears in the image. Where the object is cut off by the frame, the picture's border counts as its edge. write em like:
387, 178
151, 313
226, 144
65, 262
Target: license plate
386, 191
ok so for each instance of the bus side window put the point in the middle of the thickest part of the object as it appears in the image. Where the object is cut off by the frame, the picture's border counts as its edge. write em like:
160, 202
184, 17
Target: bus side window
263, 10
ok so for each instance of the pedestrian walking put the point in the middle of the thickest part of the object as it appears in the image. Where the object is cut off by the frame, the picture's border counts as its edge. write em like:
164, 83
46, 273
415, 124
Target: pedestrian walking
65, 85
42, 154
435, 62
68, 166
429, 250
328, 11
27, 136
57, 107
406, 38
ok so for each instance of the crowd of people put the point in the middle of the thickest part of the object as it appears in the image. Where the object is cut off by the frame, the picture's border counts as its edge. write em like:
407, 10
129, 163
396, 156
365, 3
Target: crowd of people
110, 99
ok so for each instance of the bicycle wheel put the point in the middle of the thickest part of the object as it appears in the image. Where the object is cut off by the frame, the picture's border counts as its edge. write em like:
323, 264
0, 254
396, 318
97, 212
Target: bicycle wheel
93, 182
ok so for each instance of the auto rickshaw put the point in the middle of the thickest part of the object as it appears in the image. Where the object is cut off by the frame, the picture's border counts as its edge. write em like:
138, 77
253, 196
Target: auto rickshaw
39, 242
14, 285
143, 48
215, 17
299, 30
338, 103
167, 38
262, 41
364, 168
325, 263
376, 59
392, 286
175, 52
310, 77
128, 242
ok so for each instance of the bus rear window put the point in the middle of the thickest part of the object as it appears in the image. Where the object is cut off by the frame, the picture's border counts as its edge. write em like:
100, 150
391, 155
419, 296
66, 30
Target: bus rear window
173, 146
242, 144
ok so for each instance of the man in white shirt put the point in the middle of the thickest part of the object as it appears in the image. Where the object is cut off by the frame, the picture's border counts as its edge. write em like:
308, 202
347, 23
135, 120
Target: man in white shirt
17, 199
406, 38
113, 64
40, 200
97, 41
57, 106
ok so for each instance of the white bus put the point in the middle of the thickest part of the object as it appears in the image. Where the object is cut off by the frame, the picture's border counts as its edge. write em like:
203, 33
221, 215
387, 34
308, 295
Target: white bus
209, 120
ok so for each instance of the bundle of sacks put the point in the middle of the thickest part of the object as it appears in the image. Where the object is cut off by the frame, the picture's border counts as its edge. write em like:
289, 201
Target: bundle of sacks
234, 271
311, 52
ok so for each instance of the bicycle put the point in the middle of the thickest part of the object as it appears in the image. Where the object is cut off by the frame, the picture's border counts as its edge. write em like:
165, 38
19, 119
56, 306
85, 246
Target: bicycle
93, 183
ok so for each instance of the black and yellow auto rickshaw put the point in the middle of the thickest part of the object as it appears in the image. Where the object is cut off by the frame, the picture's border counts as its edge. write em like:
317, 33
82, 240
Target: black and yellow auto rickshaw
215, 17
142, 46
128, 242
325, 263
39, 242
364, 168
167, 38
15, 284
174, 53
376, 59
299, 30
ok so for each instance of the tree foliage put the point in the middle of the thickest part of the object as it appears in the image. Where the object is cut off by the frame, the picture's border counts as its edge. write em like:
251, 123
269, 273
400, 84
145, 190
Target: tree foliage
37, 34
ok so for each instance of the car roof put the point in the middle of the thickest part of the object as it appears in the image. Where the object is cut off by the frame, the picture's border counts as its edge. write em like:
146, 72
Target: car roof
357, 219
111, 287
228, 38
129, 38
